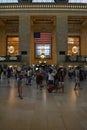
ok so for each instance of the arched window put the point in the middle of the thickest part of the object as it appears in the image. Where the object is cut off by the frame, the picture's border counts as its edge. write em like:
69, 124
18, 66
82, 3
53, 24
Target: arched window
8, 1
77, 1
43, 1
12, 45
42, 42
73, 45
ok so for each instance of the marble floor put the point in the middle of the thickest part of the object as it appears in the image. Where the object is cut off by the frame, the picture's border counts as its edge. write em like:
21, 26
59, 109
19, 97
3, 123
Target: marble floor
40, 110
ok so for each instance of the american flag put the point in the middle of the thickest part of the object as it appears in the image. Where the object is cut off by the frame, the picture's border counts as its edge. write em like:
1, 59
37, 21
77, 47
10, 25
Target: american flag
42, 37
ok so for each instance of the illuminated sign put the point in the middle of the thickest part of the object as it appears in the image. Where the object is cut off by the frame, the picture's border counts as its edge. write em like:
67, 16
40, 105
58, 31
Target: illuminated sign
13, 58
2, 58
76, 58
10, 58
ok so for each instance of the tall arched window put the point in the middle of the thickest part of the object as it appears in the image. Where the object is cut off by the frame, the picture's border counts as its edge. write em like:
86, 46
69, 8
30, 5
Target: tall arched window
73, 45
8, 1
43, 1
12, 45
77, 1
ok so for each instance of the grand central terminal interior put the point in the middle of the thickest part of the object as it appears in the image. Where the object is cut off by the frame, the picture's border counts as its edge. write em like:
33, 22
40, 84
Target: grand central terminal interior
33, 32
51, 33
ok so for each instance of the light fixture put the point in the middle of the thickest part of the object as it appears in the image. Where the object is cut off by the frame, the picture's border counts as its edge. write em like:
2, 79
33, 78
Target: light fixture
42, 56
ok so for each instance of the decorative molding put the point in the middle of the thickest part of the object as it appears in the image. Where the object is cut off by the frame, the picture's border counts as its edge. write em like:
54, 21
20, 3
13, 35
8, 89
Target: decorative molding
43, 6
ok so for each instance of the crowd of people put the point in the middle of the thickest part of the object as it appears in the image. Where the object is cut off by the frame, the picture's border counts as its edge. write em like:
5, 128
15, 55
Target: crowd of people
53, 77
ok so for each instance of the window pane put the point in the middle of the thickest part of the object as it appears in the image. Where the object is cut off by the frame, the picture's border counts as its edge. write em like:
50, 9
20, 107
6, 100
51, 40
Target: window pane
43, 1
42, 42
77, 1
73, 45
43, 49
12, 46
8, 1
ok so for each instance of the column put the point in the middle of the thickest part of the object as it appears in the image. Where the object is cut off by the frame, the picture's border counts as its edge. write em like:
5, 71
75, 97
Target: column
62, 35
24, 38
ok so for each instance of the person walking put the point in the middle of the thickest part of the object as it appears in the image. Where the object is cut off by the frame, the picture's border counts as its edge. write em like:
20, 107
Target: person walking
77, 78
9, 74
39, 79
20, 86
61, 78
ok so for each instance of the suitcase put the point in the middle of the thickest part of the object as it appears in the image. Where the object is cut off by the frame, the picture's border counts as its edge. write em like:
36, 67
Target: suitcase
51, 88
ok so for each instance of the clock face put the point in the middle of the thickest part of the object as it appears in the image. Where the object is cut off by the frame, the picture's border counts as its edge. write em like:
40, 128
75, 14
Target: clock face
11, 49
75, 49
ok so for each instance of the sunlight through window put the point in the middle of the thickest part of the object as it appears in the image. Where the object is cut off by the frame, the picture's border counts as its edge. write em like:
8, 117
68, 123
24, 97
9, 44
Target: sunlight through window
8, 1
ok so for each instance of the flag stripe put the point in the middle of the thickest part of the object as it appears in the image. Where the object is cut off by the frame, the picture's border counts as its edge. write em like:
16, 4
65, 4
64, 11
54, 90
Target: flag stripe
42, 38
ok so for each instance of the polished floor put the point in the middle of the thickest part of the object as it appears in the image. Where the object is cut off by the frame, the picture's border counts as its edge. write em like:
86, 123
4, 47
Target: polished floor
40, 110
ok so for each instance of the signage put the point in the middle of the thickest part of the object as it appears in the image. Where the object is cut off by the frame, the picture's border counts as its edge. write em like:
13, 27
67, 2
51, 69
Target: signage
76, 58
2, 58
10, 58
62, 52
23, 52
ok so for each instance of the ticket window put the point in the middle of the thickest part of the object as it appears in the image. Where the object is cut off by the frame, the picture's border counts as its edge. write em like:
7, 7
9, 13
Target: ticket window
73, 45
13, 46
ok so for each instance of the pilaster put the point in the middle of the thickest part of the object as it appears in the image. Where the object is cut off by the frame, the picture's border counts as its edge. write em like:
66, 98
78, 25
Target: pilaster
62, 35
24, 38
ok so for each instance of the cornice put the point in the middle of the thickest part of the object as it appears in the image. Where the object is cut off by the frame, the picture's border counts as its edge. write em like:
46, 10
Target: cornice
17, 9
43, 6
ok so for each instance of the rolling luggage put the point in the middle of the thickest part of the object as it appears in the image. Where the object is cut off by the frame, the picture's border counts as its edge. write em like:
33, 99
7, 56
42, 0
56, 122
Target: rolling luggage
54, 88
51, 88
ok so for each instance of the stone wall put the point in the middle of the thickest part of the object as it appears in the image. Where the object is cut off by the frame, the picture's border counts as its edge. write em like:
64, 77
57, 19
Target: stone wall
83, 44
24, 37
43, 27
57, 24
62, 34
2, 40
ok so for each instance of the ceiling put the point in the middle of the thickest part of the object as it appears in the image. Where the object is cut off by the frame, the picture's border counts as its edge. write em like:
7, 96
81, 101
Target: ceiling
77, 19
9, 20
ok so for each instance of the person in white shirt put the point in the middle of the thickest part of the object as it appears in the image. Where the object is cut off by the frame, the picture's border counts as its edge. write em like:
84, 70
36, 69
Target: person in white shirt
51, 75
